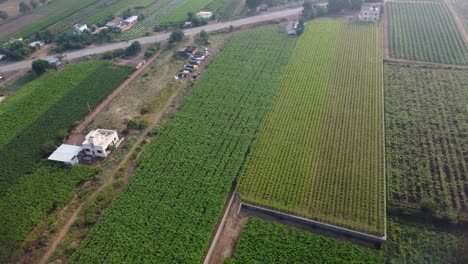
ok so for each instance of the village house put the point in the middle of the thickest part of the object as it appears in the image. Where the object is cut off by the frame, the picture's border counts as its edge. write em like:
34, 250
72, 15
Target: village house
37, 44
205, 15
369, 13
80, 28
67, 154
98, 142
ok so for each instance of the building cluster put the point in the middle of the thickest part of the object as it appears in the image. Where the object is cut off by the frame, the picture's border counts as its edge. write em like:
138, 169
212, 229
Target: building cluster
369, 13
118, 24
98, 143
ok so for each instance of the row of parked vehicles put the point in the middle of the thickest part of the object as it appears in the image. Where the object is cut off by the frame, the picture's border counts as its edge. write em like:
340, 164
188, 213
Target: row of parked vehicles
195, 60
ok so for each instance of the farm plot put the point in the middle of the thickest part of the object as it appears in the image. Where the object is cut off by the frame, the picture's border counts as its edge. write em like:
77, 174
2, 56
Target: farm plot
224, 9
265, 242
116, 9
34, 120
426, 141
461, 7
57, 10
154, 14
320, 150
180, 14
425, 31
169, 208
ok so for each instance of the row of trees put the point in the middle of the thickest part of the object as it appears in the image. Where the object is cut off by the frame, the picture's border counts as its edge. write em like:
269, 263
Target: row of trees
33, 4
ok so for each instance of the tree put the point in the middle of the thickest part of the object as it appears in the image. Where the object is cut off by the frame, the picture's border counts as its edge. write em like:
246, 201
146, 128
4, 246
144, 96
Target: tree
3, 15
133, 49
24, 8
127, 13
40, 66
356, 4
141, 17
44, 35
338, 5
33, 4
190, 16
176, 36
252, 4
204, 36
17, 50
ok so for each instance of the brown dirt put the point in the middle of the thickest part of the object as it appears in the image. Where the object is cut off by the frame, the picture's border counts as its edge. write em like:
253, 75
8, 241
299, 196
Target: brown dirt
14, 25
41, 53
457, 20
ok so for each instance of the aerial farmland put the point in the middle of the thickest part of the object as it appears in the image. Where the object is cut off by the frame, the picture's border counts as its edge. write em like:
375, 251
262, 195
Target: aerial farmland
227, 131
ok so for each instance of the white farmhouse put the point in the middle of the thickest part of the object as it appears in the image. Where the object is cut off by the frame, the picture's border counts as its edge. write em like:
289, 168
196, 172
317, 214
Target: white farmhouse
204, 14
98, 142
79, 28
67, 154
369, 13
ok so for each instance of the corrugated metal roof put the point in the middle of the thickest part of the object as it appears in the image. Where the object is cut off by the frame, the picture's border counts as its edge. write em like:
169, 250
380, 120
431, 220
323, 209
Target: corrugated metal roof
65, 153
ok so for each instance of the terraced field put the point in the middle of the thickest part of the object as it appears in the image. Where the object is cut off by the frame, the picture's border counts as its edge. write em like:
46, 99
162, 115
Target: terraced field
426, 139
425, 31
168, 210
320, 150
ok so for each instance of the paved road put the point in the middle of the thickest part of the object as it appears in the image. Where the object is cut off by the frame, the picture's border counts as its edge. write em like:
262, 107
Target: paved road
159, 37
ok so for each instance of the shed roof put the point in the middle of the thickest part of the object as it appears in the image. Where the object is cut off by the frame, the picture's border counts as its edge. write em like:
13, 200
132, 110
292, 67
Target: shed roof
65, 153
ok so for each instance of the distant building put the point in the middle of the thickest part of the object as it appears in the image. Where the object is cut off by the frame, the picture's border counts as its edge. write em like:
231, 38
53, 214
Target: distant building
128, 23
2, 56
118, 24
291, 28
11, 41
99, 141
54, 63
204, 15
369, 13
37, 44
187, 50
79, 28
67, 154
114, 22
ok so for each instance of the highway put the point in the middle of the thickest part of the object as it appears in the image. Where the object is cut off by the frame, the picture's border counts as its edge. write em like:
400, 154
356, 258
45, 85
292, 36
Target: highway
158, 38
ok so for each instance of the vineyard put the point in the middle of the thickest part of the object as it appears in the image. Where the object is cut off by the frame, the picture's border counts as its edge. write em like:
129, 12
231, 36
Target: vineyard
426, 141
34, 120
320, 150
180, 14
116, 9
264, 242
154, 14
425, 32
169, 209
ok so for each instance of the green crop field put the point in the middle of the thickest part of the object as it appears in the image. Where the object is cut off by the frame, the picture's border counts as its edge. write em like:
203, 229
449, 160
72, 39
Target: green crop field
116, 9
426, 141
180, 14
169, 209
224, 9
34, 119
154, 14
461, 6
425, 32
320, 150
420, 243
265, 242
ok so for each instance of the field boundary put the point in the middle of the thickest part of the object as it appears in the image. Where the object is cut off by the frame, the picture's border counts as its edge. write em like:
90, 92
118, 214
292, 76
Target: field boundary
214, 242
313, 223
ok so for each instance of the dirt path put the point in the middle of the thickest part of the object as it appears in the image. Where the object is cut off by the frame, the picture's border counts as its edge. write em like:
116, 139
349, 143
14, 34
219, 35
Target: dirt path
76, 137
63, 231
457, 20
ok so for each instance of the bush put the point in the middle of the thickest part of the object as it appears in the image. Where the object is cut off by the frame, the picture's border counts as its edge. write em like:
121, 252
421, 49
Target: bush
133, 49
40, 66
427, 205
135, 124
176, 36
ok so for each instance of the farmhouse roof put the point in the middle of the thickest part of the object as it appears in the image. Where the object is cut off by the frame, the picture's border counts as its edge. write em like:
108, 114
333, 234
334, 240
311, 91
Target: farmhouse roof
101, 137
65, 153
369, 8
131, 19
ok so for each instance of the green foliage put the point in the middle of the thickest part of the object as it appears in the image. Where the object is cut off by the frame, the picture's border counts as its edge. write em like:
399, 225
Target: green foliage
253, 4
30, 200
265, 242
135, 124
113, 54
425, 31
133, 49
18, 50
168, 210
67, 41
335, 6
3, 15
320, 150
151, 51
40, 66
425, 113
223, 9
411, 242
24, 8
176, 36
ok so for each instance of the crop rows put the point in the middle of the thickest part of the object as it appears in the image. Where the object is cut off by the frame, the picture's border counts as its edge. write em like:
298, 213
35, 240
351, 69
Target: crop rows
425, 32
169, 208
180, 14
29, 201
320, 151
265, 242
153, 15
224, 9
115, 9
461, 6
426, 137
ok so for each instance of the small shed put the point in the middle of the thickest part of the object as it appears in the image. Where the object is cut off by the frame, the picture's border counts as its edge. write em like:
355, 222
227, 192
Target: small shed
67, 154
187, 50
54, 63
204, 14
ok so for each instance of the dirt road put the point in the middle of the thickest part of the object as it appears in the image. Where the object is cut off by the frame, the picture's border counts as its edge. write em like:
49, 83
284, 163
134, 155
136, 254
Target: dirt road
160, 37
